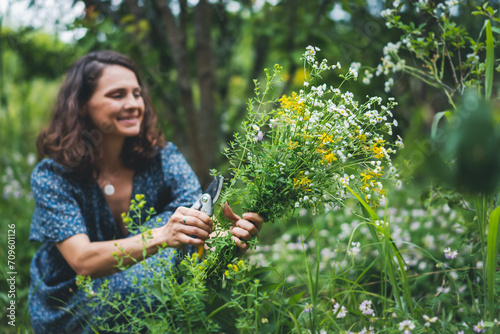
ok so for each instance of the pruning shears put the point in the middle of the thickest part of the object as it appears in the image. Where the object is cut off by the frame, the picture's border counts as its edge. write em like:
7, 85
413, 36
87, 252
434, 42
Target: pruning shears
205, 204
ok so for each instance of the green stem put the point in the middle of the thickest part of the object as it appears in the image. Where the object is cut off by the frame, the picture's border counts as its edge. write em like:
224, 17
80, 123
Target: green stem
481, 203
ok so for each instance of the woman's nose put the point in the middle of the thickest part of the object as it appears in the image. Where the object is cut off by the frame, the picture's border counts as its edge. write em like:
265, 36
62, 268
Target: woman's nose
132, 101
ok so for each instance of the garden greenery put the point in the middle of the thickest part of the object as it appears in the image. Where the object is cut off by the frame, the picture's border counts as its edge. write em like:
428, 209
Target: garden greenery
323, 150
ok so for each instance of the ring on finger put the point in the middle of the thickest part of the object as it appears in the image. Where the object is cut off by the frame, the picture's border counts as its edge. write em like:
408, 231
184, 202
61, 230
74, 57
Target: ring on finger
184, 220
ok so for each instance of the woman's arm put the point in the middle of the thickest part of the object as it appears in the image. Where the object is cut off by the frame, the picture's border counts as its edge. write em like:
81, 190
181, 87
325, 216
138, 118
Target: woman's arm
99, 258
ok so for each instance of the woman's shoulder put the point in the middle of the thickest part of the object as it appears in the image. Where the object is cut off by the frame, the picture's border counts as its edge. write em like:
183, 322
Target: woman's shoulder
48, 170
168, 149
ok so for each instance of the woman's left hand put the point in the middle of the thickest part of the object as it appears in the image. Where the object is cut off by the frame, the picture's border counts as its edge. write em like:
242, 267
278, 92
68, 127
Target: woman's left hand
245, 228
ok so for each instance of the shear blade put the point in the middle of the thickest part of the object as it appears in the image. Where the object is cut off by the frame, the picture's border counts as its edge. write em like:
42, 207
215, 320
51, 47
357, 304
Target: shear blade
215, 188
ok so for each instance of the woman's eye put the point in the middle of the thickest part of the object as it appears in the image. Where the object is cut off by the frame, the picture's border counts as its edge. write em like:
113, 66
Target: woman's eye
117, 96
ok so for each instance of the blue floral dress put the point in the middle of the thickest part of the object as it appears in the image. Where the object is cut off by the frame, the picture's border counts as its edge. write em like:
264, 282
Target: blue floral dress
66, 206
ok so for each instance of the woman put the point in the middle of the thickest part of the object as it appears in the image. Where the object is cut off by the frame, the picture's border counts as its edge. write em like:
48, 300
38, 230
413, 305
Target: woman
103, 148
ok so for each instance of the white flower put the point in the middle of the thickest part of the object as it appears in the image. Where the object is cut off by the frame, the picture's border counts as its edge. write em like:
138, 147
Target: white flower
306, 83
388, 84
367, 331
342, 313
387, 12
429, 321
354, 249
366, 308
442, 290
406, 326
308, 308
449, 254
479, 328
367, 78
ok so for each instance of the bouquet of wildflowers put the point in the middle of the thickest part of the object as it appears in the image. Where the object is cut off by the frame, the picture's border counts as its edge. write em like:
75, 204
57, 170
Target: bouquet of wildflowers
307, 150
302, 150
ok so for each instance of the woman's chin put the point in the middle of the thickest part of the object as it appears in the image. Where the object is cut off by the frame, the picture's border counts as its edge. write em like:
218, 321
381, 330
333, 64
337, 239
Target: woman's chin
128, 131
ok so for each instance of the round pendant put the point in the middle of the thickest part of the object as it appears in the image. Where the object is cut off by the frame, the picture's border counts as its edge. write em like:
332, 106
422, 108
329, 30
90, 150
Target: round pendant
109, 189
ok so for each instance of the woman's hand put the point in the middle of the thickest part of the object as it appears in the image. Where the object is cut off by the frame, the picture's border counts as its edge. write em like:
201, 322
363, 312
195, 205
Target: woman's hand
245, 228
186, 223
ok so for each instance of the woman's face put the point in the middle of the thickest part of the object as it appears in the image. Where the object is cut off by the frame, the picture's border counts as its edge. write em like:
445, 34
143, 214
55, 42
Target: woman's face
117, 106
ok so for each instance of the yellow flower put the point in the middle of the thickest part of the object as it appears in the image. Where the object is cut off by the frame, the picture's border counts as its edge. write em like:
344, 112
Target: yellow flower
366, 176
292, 145
326, 138
377, 151
330, 157
301, 181
293, 104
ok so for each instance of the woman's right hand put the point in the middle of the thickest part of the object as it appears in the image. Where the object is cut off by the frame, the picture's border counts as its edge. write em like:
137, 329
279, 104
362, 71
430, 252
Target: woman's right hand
186, 223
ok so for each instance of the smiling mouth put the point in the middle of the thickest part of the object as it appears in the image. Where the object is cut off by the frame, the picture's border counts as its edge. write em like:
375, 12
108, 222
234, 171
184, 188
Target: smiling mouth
127, 118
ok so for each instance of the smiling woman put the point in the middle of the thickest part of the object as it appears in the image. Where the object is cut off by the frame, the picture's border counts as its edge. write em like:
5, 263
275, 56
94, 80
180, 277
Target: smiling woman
117, 103
103, 149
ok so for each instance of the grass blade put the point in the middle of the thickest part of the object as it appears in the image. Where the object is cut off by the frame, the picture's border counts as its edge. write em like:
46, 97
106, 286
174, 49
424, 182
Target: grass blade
491, 259
389, 255
490, 60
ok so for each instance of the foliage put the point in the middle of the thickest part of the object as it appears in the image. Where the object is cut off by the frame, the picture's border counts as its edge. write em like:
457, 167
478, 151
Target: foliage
445, 55
326, 273
307, 151
304, 152
26, 95
463, 152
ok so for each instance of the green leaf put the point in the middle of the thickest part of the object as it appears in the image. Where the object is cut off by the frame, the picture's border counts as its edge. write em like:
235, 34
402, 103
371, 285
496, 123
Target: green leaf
436, 120
490, 60
495, 29
491, 258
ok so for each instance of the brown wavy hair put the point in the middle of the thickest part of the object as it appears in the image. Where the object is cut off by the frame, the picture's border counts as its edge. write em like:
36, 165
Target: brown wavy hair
72, 140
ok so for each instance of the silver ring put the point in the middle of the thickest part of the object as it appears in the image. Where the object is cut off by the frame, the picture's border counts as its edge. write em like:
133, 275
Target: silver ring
184, 220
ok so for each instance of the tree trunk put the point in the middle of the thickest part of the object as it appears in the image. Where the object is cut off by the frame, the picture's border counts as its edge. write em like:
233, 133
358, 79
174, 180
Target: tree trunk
206, 81
176, 34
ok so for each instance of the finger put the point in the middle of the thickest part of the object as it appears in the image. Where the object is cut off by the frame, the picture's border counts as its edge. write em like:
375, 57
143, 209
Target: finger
241, 233
193, 231
255, 218
243, 246
185, 239
182, 212
196, 222
248, 226
228, 212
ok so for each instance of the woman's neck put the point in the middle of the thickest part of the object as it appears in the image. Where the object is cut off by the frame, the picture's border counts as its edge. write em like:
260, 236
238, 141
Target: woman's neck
111, 154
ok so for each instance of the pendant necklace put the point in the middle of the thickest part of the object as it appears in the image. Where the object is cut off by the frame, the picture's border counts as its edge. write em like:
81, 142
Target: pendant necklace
109, 188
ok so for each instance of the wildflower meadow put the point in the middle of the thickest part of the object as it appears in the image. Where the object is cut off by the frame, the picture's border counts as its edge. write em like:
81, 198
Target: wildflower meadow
370, 226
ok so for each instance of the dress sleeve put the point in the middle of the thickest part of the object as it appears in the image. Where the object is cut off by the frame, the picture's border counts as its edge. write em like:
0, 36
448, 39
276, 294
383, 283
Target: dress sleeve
180, 181
57, 214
